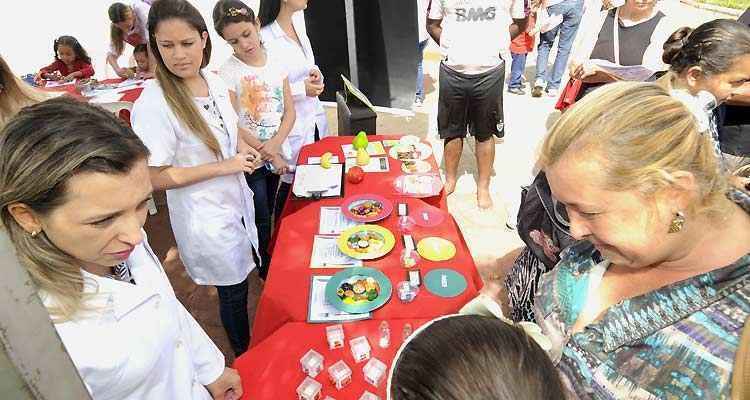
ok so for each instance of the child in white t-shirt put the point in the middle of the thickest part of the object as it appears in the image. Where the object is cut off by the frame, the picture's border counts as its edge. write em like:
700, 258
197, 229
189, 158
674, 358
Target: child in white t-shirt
262, 96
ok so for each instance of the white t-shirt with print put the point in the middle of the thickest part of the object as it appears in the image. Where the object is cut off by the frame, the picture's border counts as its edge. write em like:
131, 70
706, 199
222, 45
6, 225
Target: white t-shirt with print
475, 31
260, 97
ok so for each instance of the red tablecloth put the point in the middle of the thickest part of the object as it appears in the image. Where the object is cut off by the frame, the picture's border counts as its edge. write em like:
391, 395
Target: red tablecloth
128, 94
271, 369
285, 295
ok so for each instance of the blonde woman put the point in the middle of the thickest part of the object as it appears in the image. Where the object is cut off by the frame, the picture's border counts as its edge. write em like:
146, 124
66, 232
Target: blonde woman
186, 119
73, 202
652, 302
14, 93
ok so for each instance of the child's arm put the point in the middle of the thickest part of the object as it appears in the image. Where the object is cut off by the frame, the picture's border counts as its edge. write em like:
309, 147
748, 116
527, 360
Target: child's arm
273, 145
48, 72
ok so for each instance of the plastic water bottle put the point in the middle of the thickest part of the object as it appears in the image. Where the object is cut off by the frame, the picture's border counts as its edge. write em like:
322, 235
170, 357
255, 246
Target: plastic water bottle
385, 335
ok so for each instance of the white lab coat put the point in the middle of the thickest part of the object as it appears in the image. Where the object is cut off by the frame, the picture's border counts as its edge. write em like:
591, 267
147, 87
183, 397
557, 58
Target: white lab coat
298, 60
137, 341
213, 221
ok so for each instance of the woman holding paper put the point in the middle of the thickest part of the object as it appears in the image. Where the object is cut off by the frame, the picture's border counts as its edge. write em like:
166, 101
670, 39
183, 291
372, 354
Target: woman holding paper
631, 35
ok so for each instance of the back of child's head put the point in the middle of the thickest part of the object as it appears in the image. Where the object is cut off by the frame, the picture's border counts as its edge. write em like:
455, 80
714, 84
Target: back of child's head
78, 50
230, 12
140, 48
714, 46
472, 357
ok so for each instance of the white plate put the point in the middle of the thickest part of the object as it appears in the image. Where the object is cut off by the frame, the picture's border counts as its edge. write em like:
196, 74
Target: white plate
423, 149
408, 139
420, 167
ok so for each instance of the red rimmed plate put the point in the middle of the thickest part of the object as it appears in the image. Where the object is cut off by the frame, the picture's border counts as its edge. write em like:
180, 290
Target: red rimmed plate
367, 208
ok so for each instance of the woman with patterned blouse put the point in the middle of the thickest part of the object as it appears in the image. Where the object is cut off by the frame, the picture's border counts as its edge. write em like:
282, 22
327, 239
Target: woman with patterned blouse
651, 305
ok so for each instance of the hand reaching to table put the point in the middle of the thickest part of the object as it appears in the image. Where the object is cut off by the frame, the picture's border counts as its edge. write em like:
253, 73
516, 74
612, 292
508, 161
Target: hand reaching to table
227, 387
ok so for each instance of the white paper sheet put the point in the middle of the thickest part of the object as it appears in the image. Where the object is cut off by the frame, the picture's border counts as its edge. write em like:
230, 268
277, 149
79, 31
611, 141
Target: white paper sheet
333, 221
373, 149
326, 254
310, 179
376, 164
321, 311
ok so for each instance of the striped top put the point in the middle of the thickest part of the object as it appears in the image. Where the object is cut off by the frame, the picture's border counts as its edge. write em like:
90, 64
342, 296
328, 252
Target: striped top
677, 342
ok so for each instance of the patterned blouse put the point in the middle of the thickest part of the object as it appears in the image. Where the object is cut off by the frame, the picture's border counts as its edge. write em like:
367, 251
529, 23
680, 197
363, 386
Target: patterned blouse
677, 342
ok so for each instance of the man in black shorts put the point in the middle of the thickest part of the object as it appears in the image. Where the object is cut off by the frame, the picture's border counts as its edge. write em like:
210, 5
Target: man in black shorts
471, 35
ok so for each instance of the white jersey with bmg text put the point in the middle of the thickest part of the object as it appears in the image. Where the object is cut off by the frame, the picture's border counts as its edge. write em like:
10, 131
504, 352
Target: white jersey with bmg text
475, 31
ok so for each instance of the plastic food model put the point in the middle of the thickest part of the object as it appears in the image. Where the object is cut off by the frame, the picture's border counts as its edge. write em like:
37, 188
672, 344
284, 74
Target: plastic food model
365, 242
358, 290
367, 208
355, 174
407, 152
360, 143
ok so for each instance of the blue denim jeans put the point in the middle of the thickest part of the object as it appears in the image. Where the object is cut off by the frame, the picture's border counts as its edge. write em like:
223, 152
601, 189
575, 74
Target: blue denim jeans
420, 71
264, 185
517, 68
233, 312
572, 11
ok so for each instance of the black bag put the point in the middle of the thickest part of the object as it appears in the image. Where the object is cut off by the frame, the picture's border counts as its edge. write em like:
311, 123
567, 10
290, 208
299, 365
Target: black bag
542, 224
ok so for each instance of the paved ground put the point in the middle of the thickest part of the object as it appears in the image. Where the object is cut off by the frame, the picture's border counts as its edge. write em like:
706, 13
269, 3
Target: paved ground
527, 120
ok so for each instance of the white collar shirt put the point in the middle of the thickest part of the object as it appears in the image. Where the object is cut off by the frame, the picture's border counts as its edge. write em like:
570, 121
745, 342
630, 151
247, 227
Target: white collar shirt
299, 60
213, 221
138, 341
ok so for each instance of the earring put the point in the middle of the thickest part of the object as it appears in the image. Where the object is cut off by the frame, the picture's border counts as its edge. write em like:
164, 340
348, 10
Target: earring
677, 222
34, 233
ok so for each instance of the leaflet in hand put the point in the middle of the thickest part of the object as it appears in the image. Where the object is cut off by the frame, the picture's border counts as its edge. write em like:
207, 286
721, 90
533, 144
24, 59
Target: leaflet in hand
326, 254
624, 72
321, 311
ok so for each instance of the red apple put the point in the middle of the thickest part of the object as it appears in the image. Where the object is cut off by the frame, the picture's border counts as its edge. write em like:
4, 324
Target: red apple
355, 174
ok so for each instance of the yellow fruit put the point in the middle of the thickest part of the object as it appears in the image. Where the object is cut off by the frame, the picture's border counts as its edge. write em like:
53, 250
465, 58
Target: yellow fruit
363, 158
325, 160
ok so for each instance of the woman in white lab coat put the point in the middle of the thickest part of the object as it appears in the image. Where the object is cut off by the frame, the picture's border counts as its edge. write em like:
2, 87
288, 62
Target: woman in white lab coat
283, 33
186, 120
73, 202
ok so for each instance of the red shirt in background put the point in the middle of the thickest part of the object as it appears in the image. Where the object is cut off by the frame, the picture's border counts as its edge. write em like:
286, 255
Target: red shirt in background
524, 43
78, 65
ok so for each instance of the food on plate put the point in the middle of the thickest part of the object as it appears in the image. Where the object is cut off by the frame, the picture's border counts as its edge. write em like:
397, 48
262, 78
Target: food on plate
365, 242
407, 152
367, 208
415, 166
358, 289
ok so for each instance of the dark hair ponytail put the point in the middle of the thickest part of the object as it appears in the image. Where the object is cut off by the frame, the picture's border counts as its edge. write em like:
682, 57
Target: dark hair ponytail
268, 11
230, 12
675, 43
713, 46
73, 43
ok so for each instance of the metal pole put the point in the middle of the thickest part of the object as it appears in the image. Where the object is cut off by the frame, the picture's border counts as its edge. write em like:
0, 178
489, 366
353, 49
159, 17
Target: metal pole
351, 39
29, 340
